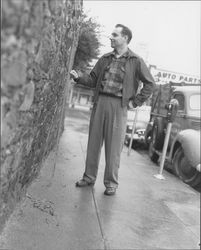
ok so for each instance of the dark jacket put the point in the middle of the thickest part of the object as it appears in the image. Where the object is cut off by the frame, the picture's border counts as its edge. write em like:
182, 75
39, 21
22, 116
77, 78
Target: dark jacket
135, 71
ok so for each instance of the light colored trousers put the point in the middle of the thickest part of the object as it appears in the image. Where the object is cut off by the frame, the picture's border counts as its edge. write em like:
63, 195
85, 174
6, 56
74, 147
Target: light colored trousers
108, 124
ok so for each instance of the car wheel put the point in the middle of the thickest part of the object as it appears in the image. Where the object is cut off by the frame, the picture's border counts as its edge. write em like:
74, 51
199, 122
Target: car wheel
158, 136
147, 136
184, 170
126, 140
152, 154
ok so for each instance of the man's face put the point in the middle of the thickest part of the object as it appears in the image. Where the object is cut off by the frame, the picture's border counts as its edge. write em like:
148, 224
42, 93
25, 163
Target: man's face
117, 39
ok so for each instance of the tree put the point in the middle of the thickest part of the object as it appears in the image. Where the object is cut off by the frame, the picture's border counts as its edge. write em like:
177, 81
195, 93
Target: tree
88, 44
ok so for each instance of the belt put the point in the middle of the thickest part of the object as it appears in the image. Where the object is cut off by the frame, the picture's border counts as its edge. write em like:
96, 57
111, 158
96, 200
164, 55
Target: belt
109, 94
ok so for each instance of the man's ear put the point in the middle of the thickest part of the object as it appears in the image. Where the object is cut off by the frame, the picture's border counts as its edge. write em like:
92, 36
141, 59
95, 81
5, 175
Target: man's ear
126, 38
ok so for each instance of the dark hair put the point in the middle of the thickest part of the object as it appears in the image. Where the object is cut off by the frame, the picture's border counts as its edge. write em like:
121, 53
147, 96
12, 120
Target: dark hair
125, 31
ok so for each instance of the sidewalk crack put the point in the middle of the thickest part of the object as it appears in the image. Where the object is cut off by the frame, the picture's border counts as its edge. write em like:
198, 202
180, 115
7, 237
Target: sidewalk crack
106, 245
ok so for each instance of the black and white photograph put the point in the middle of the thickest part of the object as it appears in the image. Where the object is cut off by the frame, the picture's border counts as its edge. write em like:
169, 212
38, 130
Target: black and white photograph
100, 125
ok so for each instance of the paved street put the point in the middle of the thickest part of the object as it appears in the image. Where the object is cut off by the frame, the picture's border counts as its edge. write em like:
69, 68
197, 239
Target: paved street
145, 213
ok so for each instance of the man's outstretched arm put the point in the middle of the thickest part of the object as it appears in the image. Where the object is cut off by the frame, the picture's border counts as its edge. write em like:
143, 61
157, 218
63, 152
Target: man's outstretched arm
89, 80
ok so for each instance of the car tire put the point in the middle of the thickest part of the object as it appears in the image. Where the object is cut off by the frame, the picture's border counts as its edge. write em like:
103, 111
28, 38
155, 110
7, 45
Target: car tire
147, 137
126, 141
183, 169
152, 154
157, 135
157, 139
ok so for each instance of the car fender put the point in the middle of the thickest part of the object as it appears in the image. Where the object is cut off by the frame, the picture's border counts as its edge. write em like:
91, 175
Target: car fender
190, 142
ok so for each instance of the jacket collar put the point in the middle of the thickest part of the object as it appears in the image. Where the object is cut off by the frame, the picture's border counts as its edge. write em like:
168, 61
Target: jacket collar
130, 54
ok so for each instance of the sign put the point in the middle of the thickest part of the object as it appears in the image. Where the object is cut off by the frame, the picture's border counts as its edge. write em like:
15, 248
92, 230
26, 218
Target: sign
168, 76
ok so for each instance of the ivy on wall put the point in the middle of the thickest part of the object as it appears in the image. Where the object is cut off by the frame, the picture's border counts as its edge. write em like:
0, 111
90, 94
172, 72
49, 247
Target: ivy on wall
39, 40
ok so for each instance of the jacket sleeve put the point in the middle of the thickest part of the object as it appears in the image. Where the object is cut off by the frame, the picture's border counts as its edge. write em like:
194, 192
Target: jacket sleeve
90, 80
146, 78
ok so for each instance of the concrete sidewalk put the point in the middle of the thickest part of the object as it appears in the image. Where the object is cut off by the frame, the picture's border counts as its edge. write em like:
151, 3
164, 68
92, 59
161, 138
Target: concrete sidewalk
145, 213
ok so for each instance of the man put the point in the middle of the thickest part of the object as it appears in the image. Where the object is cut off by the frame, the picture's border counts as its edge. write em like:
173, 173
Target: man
115, 77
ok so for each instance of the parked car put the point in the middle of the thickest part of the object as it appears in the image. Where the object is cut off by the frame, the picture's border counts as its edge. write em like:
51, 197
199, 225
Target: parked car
184, 143
142, 121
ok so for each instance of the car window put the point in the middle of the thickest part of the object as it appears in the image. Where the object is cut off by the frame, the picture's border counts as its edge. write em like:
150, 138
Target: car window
180, 99
195, 101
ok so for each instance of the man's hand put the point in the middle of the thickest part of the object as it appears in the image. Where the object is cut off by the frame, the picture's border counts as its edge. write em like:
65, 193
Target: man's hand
130, 105
74, 75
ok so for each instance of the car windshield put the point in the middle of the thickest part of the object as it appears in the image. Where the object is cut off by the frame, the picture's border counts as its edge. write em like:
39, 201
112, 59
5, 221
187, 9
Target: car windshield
195, 101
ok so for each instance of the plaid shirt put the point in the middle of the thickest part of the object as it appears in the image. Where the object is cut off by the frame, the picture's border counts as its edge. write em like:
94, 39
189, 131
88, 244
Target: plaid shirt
112, 82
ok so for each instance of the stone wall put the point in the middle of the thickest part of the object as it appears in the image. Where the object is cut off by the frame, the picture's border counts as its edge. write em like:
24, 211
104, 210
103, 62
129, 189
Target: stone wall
39, 40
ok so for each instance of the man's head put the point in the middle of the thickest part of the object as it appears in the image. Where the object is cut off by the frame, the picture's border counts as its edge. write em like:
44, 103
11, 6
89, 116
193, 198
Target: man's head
120, 36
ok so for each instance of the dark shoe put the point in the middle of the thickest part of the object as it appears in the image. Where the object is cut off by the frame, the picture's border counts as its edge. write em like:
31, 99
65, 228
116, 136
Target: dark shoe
83, 183
110, 191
